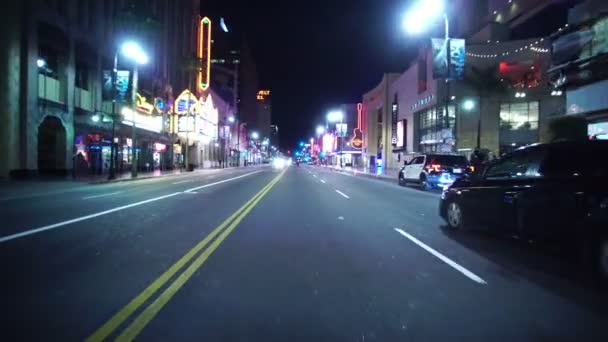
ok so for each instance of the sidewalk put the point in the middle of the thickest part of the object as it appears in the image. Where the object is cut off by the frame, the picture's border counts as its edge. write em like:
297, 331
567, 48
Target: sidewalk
386, 174
10, 189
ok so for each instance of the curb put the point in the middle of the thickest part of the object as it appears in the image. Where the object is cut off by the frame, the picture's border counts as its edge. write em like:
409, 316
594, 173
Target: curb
185, 173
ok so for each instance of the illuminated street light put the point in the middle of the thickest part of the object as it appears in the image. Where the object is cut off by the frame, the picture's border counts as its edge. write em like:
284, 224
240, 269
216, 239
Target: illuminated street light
95, 118
255, 135
421, 14
320, 130
468, 105
133, 51
231, 119
41, 63
335, 116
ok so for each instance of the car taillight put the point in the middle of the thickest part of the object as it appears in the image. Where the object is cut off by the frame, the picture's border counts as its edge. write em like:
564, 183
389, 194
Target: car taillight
471, 169
434, 167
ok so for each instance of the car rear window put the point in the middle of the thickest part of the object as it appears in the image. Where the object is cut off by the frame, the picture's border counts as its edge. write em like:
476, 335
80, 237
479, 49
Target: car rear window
448, 160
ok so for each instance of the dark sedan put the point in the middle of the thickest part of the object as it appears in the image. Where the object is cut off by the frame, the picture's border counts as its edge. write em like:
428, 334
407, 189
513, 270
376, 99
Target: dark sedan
556, 191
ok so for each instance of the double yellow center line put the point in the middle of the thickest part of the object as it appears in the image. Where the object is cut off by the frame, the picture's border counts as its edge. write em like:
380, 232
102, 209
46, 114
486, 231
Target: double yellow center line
145, 316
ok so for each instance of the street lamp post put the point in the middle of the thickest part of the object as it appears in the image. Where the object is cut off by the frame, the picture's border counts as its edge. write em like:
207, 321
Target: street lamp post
133, 51
416, 19
337, 116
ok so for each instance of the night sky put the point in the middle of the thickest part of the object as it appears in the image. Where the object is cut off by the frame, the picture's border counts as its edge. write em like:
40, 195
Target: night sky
316, 54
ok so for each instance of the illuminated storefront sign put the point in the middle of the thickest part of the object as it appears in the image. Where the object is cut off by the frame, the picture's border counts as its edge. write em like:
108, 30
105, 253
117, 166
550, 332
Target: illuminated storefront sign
204, 53
206, 123
357, 141
158, 147
148, 122
328, 143
185, 124
400, 133
181, 103
142, 105
262, 94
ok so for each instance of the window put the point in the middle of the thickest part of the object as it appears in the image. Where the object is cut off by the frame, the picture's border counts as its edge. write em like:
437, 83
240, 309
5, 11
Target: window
82, 79
521, 164
418, 160
518, 125
519, 116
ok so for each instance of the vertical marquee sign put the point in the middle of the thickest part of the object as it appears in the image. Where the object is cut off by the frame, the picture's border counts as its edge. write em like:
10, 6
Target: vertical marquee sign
357, 141
204, 54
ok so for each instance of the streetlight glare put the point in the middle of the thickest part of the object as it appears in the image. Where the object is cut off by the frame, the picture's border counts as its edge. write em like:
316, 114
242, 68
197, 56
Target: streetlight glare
335, 116
231, 119
423, 12
468, 105
320, 130
255, 135
40, 62
133, 51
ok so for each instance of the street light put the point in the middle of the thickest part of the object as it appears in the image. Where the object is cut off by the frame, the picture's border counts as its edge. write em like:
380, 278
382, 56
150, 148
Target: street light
416, 21
41, 63
134, 52
255, 135
231, 119
468, 105
320, 130
335, 116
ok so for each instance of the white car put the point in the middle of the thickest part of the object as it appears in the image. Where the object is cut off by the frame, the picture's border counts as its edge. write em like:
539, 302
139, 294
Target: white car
434, 170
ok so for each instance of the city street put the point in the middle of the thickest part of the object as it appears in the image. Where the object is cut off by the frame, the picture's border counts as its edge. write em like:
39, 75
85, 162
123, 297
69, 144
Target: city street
258, 254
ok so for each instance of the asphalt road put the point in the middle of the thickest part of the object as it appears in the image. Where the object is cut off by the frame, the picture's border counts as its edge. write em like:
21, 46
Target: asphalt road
256, 254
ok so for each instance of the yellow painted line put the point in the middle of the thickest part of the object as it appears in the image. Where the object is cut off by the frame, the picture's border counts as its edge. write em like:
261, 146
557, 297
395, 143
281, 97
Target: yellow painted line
152, 310
107, 328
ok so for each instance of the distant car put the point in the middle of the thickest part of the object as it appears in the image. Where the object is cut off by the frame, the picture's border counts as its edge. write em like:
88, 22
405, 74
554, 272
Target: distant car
556, 191
434, 170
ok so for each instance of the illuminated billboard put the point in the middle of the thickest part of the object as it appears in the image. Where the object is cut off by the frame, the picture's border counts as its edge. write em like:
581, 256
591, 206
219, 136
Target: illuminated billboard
328, 143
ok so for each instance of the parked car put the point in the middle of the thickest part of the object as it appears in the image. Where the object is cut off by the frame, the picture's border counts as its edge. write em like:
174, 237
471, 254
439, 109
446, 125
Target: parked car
434, 170
554, 191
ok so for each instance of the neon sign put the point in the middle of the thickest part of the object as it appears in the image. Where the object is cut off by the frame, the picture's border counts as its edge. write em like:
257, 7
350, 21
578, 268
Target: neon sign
261, 96
186, 103
357, 141
142, 105
204, 54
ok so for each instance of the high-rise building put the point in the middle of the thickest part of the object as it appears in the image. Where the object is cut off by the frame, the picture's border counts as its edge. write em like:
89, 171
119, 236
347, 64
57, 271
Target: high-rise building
53, 55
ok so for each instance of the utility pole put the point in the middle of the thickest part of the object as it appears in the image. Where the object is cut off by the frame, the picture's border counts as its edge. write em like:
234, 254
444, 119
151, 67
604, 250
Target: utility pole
133, 132
113, 145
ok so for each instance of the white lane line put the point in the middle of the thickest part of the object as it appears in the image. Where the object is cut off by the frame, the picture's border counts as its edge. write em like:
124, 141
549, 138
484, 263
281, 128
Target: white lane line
184, 181
103, 195
314, 176
82, 218
443, 258
222, 181
322, 181
105, 212
343, 194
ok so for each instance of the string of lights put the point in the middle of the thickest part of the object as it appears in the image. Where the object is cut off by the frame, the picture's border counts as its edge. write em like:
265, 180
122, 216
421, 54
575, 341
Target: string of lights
534, 47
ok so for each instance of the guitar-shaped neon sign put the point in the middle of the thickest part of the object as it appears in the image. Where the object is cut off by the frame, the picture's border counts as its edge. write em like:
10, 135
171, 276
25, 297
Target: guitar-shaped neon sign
357, 141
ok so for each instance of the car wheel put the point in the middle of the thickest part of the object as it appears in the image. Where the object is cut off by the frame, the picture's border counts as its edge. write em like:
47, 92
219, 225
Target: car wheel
401, 180
455, 215
424, 184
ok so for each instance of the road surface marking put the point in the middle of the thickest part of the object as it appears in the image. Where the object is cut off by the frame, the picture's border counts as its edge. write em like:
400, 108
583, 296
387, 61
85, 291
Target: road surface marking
148, 314
314, 176
105, 212
322, 181
184, 181
102, 195
443, 258
341, 218
220, 182
343, 194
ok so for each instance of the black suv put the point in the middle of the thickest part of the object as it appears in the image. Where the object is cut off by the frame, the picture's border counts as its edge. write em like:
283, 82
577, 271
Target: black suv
543, 191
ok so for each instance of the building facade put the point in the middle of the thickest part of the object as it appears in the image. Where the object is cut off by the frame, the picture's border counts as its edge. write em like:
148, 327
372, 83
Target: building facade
53, 58
503, 100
